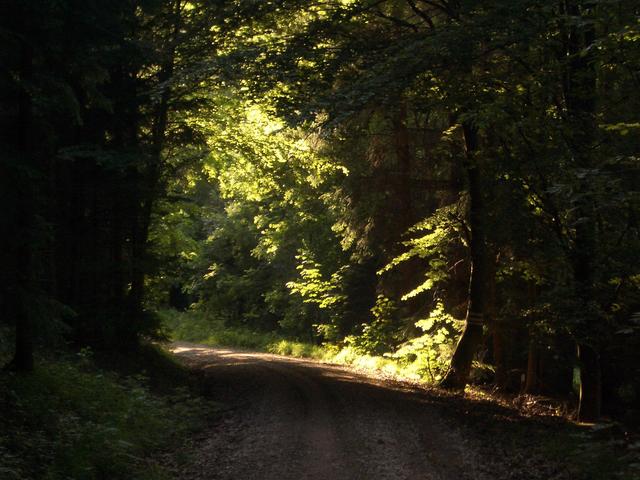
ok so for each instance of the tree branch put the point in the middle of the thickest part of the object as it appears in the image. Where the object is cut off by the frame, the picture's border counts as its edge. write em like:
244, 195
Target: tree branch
421, 13
396, 20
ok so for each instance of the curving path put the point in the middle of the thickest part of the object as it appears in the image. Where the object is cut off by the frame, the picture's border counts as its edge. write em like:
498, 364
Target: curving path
292, 419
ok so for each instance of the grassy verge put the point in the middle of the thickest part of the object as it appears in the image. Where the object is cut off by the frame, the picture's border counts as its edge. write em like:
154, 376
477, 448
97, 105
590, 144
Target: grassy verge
195, 327
70, 419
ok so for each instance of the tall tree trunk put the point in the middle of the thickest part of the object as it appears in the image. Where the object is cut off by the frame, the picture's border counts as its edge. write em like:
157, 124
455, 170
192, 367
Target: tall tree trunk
127, 186
498, 340
532, 380
401, 140
590, 401
499, 344
23, 355
458, 375
580, 94
142, 220
408, 273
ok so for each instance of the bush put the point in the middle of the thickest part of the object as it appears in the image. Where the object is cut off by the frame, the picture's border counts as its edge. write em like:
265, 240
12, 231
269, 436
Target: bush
382, 334
423, 358
428, 356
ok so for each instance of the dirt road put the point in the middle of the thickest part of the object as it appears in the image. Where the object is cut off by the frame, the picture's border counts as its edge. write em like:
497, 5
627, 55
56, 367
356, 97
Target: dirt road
291, 419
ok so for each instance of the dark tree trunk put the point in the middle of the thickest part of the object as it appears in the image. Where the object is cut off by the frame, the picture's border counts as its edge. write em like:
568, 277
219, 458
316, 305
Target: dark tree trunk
407, 274
580, 94
23, 355
151, 182
532, 379
498, 336
590, 384
401, 139
142, 221
499, 345
458, 375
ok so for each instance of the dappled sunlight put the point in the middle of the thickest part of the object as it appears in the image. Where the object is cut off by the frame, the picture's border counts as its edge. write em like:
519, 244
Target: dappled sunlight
209, 358
318, 416
216, 356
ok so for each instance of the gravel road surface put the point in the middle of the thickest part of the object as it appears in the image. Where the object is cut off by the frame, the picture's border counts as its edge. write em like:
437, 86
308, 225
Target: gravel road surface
288, 419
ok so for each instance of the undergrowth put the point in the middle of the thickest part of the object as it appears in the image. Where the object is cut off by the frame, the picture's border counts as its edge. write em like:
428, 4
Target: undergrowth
196, 327
69, 419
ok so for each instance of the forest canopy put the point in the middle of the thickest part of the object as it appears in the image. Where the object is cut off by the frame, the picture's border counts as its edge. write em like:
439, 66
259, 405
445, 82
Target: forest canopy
448, 183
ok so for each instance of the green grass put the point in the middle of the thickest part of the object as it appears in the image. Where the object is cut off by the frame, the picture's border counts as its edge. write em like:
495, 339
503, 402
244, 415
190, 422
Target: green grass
292, 348
71, 420
196, 327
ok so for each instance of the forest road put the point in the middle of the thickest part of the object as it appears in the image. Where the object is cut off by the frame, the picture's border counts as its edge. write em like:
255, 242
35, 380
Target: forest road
291, 419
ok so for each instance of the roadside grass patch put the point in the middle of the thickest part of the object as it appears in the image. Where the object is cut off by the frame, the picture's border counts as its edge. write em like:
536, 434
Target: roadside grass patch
196, 327
70, 420
298, 349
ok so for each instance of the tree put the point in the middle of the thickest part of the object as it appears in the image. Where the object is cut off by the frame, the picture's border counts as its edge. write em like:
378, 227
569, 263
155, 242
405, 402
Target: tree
89, 91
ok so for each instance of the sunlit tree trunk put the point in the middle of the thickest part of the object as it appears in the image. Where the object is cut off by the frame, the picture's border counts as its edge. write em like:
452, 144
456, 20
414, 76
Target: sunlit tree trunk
458, 375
